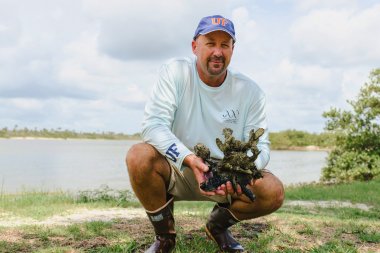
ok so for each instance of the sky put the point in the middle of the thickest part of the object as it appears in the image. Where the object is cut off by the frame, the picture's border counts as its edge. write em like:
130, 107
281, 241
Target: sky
90, 65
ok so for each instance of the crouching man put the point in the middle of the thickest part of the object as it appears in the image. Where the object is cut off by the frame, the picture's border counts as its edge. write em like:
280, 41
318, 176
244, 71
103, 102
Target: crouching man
193, 100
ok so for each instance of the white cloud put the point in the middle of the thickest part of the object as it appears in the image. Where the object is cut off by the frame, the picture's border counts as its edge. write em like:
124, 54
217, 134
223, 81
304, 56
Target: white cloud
297, 94
338, 37
26, 104
90, 65
352, 81
245, 26
147, 29
307, 5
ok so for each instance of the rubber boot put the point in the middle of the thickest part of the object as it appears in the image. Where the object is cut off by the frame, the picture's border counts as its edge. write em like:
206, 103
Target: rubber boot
217, 229
163, 223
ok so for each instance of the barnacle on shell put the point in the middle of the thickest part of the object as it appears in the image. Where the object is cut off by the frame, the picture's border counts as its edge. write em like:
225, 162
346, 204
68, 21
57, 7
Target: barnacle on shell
236, 166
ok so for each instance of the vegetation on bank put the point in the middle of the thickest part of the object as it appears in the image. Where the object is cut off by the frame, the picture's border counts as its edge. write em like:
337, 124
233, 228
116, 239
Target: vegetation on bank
292, 228
293, 139
63, 134
356, 155
282, 140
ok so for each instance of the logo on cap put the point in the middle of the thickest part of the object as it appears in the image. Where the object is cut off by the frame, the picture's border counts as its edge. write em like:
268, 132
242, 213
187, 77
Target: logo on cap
219, 21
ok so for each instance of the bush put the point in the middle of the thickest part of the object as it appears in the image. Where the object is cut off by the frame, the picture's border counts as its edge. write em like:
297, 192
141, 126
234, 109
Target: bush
351, 165
106, 194
357, 152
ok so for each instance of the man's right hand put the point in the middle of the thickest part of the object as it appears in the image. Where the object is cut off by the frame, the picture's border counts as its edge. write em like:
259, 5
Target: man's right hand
199, 169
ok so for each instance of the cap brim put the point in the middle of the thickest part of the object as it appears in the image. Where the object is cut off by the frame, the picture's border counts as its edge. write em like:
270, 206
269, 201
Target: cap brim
218, 29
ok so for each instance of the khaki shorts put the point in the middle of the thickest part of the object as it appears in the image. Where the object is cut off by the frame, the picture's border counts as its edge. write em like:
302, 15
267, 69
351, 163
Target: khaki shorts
184, 186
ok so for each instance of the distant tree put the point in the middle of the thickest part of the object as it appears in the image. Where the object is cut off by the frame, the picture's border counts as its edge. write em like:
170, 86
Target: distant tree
64, 134
295, 138
357, 152
4, 132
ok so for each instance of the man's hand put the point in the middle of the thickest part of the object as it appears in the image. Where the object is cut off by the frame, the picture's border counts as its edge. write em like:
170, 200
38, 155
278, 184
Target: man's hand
200, 168
228, 189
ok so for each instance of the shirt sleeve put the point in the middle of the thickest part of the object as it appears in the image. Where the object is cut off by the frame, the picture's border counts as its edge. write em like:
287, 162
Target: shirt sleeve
255, 120
159, 114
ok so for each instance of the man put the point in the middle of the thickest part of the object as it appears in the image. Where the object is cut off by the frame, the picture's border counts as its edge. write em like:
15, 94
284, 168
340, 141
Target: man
192, 102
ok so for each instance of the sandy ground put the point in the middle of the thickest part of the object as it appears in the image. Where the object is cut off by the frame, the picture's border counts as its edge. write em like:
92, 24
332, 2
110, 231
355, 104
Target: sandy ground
75, 216
85, 215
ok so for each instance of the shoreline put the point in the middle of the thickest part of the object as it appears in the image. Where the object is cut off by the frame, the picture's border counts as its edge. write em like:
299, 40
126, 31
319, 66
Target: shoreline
305, 148
66, 139
291, 148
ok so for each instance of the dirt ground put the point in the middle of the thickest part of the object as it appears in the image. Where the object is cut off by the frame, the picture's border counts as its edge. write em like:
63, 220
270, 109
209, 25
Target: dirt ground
85, 215
134, 222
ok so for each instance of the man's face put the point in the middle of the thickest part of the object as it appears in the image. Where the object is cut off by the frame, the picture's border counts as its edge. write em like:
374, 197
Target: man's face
214, 52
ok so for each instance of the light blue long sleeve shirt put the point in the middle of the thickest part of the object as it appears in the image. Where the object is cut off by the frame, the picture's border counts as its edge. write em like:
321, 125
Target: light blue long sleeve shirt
183, 111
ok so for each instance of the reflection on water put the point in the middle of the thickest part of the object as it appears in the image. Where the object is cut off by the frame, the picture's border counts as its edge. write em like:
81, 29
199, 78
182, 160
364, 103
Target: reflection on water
87, 164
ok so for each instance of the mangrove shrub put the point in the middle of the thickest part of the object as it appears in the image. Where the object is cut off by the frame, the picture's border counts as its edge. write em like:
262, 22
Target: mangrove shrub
357, 152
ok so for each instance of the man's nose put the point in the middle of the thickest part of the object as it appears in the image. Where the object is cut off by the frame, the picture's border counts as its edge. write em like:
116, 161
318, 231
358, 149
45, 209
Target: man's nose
218, 51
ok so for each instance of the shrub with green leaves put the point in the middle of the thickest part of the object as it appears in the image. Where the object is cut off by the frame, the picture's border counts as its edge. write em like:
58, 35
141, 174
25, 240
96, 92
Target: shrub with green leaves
357, 152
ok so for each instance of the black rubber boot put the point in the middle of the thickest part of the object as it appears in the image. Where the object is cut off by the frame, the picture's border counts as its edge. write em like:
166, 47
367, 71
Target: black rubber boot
163, 223
217, 229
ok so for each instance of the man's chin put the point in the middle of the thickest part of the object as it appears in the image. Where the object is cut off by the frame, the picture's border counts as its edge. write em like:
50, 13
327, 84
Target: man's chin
215, 71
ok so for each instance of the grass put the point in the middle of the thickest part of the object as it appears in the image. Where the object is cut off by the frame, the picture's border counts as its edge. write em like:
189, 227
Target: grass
40, 204
356, 192
290, 229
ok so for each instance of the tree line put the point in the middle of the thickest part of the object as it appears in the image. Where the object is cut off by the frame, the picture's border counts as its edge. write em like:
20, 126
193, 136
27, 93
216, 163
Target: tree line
292, 139
63, 134
287, 139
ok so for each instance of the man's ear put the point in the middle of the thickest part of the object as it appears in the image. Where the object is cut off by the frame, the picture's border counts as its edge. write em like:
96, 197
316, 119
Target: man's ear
194, 46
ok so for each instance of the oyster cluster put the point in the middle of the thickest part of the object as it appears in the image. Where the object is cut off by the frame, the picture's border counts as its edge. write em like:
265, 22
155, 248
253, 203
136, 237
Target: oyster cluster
236, 166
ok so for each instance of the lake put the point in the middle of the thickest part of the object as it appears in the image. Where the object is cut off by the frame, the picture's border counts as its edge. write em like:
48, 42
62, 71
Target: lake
73, 165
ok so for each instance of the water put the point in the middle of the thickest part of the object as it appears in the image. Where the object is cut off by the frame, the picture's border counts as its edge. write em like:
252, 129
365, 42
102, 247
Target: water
294, 167
62, 164
74, 165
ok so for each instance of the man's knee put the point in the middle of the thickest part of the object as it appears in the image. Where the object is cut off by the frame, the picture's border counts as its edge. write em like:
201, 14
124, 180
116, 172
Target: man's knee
269, 192
278, 196
134, 154
143, 159
139, 157
272, 191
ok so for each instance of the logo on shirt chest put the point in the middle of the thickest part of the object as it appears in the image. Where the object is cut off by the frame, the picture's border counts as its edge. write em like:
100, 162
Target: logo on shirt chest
230, 116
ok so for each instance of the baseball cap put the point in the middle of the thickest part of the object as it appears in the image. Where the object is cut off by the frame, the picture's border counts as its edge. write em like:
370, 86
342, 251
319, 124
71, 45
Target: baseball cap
215, 23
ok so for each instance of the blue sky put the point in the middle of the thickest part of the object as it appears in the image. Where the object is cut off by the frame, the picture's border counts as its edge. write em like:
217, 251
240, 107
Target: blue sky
90, 65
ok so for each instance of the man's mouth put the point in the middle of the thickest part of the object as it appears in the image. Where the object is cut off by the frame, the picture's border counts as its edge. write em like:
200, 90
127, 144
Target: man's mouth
217, 60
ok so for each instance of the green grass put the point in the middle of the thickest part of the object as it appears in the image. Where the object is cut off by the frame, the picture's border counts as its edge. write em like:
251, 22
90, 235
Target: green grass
118, 248
193, 208
39, 204
335, 246
35, 204
356, 192
290, 229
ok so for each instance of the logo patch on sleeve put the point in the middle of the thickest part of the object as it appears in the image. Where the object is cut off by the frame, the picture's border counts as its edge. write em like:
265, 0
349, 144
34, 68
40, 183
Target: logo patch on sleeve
172, 152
